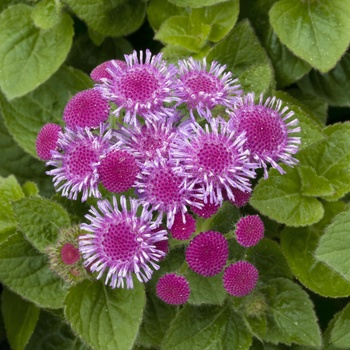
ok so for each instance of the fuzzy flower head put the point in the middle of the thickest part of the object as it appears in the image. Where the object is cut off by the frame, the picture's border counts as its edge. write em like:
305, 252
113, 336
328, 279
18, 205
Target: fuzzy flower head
240, 278
120, 242
147, 142
202, 90
183, 227
100, 72
86, 109
213, 158
142, 87
268, 126
173, 289
76, 162
164, 190
249, 230
117, 170
207, 253
46, 140
240, 198
206, 210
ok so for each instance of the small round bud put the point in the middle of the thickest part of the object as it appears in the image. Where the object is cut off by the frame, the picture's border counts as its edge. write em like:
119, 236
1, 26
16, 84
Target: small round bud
173, 289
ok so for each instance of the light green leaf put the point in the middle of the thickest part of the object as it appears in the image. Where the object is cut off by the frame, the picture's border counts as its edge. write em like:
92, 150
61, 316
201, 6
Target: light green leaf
25, 116
39, 220
52, 333
331, 160
30, 189
20, 319
105, 318
280, 198
221, 17
196, 3
267, 257
46, 14
158, 11
317, 32
293, 314
205, 290
257, 78
333, 86
110, 17
10, 191
334, 245
207, 327
179, 31
26, 52
299, 246
156, 321
24, 270
340, 335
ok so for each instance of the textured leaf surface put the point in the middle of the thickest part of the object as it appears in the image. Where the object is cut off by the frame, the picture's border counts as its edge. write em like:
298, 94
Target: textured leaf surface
317, 31
24, 270
195, 3
20, 319
340, 335
207, 327
26, 51
39, 220
334, 245
25, 116
105, 318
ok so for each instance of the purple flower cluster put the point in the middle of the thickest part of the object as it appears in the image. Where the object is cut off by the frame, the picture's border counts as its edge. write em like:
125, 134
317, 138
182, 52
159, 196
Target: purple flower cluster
154, 127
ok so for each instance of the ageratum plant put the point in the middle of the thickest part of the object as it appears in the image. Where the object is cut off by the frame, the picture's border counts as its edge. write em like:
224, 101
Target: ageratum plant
174, 174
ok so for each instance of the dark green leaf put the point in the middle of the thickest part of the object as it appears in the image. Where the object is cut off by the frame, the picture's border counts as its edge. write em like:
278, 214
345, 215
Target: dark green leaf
339, 335
196, 3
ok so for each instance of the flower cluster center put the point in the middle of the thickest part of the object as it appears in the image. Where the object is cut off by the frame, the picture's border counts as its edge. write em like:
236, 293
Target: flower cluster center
214, 157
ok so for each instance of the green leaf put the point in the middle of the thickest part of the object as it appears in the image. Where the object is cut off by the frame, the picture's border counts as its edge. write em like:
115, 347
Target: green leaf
339, 335
221, 17
267, 257
20, 319
110, 17
25, 271
104, 318
331, 160
179, 31
195, 3
207, 327
158, 11
25, 116
334, 245
39, 220
156, 321
317, 32
293, 314
333, 86
30, 189
240, 50
280, 198
51, 333
10, 191
26, 51
299, 246
205, 290
46, 14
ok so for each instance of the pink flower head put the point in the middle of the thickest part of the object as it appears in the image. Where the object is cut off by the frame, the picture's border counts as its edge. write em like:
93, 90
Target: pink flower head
213, 158
164, 190
249, 230
163, 246
77, 161
100, 72
207, 253
121, 242
183, 227
203, 90
46, 140
69, 254
173, 289
147, 142
206, 210
240, 198
117, 171
86, 109
267, 131
240, 278
142, 87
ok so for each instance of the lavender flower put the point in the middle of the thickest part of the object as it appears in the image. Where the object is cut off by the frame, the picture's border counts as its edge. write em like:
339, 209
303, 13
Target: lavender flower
183, 228
120, 242
173, 289
249, 230
267, 131
46, 140
100, 72
142, 87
